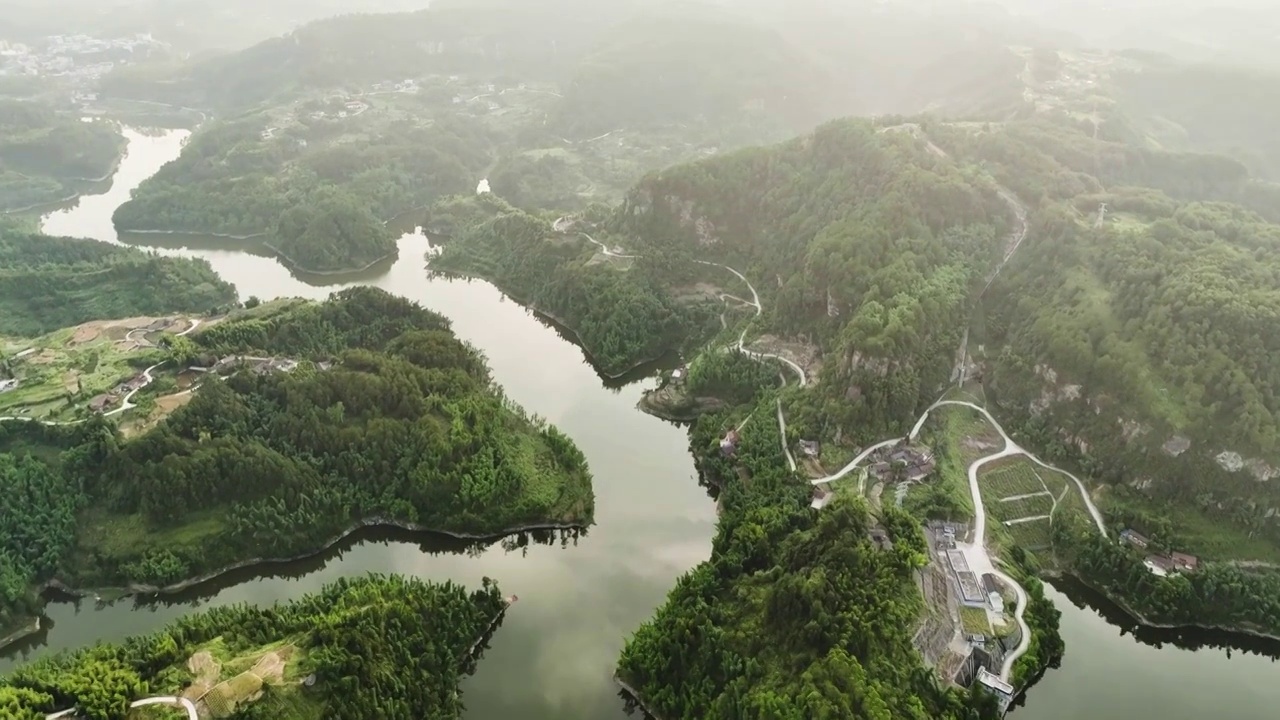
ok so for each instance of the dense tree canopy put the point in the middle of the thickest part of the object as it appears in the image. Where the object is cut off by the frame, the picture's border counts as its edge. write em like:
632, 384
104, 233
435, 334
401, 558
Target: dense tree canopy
388, 418
621, 312
45, 155
48, 283
319, 193
384, 647
797, 614
861, 241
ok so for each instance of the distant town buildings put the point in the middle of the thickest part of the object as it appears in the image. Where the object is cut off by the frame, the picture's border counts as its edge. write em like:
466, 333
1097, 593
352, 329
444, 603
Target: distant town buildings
79, 59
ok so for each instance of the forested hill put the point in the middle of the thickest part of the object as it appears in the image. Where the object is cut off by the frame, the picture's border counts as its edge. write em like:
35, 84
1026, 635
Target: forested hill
320, 192
1138, 340
45, 155
861, 239
374, 412
510, 38
1221, 109
48, 283
384, 647
797, 614
668, 67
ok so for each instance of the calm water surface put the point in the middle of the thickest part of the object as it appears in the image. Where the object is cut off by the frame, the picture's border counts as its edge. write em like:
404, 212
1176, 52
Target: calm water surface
555, 653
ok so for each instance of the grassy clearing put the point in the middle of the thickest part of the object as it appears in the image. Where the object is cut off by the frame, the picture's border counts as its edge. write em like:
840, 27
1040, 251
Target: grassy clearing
1206, 537
975, 621
108, 536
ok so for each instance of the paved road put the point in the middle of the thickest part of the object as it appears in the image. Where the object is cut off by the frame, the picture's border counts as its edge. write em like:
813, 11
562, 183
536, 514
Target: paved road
181, 702
976, 553
754, 302
1012, 448
128, 399
782, 429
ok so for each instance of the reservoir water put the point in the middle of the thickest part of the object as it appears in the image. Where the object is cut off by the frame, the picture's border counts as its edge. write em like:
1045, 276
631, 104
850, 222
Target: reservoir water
580, 599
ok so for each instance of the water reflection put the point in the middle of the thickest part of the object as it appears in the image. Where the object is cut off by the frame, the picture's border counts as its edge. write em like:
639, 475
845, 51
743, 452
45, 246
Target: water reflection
1184, 638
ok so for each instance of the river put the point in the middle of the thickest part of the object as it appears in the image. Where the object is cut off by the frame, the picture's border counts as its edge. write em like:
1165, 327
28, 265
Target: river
579, 600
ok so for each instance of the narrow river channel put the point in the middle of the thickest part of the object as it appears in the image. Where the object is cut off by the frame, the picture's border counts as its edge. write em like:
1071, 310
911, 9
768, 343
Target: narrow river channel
554, 655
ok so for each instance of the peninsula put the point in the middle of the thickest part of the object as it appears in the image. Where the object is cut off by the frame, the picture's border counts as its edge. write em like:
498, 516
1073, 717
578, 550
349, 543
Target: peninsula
306, 421
343, 652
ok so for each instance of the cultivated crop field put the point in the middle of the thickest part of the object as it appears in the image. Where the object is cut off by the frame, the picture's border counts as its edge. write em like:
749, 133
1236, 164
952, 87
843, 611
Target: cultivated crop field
1031, 535
57, 374
1009, 480
1033, 506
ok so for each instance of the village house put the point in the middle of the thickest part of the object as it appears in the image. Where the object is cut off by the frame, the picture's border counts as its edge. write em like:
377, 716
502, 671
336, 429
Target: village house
103, 403
810, 448
7, 385
679, 375
136, 382
913, 463
881, 538
1159, 565
1134, 539
1184, 562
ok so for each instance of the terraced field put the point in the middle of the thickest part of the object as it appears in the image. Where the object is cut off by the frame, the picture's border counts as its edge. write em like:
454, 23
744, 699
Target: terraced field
1017, 477
1023, 507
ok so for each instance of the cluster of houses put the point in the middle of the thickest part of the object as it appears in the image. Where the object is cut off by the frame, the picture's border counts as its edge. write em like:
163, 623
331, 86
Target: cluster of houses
1161, 564
258, 365
115, 397
903, 462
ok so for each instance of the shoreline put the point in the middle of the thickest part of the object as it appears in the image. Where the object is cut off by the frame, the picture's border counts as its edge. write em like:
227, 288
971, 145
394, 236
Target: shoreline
294, 265
191, 233
30, 627
285, 259
562, 323
137, 590
1144, 621
45, 204
115, 167
617, 679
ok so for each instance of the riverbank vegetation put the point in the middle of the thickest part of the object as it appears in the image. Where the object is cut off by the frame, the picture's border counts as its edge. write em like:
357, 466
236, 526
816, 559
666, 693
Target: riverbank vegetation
385, 647
1217, 595
47, 156
47, 283
618, 307
386, 418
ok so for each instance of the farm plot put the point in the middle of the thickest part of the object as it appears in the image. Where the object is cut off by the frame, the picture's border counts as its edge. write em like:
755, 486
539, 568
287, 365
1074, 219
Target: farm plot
1023, 507
1011, 480
1034, 535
